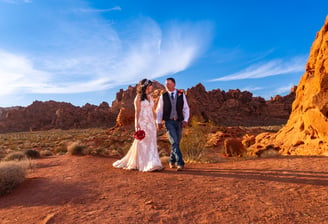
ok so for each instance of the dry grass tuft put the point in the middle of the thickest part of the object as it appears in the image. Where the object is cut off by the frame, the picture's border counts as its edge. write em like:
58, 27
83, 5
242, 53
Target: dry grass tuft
15, 156
32, 154
46, 153
12, 173
75, 148
193, 142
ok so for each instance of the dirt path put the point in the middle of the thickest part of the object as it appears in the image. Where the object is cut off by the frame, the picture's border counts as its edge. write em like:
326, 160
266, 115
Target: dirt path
69, 189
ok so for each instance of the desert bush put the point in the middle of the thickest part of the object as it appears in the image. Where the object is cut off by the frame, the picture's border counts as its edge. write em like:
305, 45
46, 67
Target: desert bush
12, 173
233, 147
60, 150
99, 152
32, 153
15, 156
75, 148
46, 153
193, 141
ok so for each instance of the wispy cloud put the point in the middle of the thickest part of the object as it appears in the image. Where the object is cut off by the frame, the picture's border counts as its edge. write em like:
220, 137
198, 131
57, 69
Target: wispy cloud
284, 89
16, 1
92, 10
269, 68
251, 89
9, 1
18, 77
90, 55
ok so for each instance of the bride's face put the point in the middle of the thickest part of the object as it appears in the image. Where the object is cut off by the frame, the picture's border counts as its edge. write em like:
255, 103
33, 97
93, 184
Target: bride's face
149, 89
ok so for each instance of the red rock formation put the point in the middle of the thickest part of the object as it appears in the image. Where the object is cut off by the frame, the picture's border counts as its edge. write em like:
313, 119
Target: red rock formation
306, 132
235, 108
230, 108
125, 117
55, 115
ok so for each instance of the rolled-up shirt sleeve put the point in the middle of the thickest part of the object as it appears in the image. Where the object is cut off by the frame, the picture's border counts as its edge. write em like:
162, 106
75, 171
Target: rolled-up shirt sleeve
185, 110
159, 110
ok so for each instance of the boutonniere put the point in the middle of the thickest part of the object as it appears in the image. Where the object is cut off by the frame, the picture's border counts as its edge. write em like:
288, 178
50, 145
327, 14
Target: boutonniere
180, 92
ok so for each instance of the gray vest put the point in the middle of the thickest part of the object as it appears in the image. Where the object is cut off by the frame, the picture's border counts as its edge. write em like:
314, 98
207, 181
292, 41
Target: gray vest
173, 114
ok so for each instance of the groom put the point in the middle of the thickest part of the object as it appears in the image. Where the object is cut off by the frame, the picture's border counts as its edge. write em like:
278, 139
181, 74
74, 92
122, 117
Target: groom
174, 110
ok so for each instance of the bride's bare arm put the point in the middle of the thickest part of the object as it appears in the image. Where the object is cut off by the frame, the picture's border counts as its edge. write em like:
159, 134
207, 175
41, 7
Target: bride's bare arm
137, 105
153, 109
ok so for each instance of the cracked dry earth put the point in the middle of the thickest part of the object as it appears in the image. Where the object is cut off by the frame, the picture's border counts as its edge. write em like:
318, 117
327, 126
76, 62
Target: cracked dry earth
71, 189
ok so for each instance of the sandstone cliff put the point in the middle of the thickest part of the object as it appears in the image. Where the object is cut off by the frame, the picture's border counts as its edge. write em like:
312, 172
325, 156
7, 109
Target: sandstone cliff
223, 108
55, 115
234, 108
306, 132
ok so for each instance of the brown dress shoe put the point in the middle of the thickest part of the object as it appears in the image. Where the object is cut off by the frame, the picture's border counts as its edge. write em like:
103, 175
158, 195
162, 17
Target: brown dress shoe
172, 165
179, 168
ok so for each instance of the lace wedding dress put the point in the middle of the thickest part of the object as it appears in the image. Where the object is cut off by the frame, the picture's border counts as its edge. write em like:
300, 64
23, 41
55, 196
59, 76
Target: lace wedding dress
143, 154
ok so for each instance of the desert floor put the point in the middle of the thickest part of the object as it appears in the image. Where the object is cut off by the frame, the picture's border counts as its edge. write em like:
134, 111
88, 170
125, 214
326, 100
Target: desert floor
87, 189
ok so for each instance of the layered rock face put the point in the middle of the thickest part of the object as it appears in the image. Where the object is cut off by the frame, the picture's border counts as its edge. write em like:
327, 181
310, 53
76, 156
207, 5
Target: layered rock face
55, 115
230, 108
306, 132
237, 108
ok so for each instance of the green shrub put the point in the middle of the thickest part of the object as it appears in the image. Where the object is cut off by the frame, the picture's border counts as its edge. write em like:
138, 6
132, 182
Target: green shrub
32, 153
12, 173
15, 156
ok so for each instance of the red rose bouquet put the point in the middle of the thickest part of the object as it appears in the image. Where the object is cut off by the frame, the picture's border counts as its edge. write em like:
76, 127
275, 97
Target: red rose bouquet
139, 134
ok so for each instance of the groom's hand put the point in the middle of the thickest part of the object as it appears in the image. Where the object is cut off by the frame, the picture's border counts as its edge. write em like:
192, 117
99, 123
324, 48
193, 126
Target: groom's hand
160, 126
184, 124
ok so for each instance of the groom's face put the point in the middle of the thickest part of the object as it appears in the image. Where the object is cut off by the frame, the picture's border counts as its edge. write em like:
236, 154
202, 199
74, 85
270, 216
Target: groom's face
170, 86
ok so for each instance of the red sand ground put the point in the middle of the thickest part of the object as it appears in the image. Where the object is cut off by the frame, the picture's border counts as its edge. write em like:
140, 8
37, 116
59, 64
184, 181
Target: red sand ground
70, 189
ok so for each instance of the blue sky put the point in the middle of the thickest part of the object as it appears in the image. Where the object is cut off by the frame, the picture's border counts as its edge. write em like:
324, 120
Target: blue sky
85, 51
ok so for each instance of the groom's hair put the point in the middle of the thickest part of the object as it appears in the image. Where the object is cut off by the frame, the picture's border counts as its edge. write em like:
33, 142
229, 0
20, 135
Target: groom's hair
171, 79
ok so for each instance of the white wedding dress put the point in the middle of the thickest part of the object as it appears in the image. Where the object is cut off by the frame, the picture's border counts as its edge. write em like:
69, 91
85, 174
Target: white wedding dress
143, 154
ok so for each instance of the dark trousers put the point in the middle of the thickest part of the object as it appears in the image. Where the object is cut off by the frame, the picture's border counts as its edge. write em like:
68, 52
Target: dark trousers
174, 131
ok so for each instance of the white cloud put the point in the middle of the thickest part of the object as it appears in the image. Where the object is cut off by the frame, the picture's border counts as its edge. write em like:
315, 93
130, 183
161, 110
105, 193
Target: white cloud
9, 1
17, 74
284, 89
16, 1
266, 69
91, 10
251, 89
90, 55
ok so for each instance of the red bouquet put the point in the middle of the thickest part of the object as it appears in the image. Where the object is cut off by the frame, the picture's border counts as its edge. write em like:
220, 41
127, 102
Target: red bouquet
139, 135
180, 92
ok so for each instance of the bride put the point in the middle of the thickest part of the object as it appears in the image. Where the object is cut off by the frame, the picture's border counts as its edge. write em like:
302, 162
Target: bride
143, 154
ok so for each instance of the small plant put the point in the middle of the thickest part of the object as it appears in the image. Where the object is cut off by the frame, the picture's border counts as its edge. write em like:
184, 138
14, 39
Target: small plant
193, 141
32, 153
46, 153
60, 150
76, 149
15, 156
12, 173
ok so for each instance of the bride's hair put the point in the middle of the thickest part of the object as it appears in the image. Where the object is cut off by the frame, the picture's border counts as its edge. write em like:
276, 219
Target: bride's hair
141, 90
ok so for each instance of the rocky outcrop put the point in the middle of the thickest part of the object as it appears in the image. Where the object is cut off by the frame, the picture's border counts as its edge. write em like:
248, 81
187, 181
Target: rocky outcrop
306, 132
234, 108
56, 115
230, 108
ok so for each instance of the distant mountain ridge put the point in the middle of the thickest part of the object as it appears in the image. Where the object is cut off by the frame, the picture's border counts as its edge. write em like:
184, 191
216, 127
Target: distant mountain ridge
230, 108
